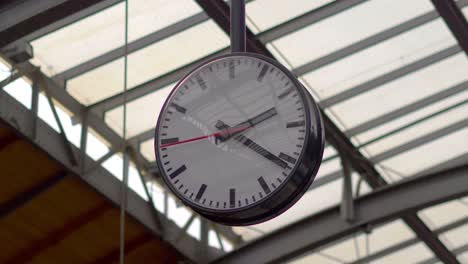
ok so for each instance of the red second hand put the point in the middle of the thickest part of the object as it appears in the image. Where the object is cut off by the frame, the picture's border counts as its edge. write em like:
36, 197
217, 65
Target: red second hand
226, 131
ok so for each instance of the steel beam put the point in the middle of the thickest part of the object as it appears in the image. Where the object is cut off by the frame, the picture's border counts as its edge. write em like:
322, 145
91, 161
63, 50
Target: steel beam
16, 115
391, 76
24, 197
388, 203
455, 21
36, 15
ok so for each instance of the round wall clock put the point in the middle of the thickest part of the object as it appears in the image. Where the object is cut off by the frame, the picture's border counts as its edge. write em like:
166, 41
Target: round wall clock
239, 139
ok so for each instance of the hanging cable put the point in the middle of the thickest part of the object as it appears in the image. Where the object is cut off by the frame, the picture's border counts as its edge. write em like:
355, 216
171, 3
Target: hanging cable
123, 191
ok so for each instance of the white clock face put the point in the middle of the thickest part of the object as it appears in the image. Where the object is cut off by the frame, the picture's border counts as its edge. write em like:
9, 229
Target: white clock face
231, 133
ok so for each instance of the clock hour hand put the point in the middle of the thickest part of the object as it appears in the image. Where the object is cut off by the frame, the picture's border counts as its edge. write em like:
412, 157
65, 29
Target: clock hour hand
249, 122
254, 146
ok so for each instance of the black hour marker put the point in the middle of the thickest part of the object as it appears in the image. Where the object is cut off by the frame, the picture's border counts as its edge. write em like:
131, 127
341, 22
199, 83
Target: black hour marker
179, 108
232, 198
169, 140
274, 186
278, 179
262, 73
232, 69
264, 185
177, 172
180, 187
167, 162
285, 174
285, 93
287, 158
295, 124
201, 82
200, 192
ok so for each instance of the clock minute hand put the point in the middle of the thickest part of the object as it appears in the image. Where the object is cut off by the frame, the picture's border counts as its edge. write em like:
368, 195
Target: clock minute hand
260, 150
251, 122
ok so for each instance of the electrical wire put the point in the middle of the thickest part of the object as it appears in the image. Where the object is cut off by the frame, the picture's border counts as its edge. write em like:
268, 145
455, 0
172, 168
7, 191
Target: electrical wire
123, 198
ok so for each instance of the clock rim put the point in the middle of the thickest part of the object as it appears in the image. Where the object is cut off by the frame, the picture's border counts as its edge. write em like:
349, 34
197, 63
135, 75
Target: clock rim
303, 93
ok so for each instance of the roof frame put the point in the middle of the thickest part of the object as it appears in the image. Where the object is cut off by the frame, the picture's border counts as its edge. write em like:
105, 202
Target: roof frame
311, 17
388, 203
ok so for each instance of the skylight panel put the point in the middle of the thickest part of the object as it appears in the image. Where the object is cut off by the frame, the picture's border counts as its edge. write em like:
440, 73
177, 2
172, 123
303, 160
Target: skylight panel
347, 27
148, 63
104, 31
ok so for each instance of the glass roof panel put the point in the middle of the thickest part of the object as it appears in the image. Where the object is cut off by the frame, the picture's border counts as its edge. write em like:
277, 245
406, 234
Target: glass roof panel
443, 214
347, 27
418, 114
147, 150
315, 258
428, 126
463, 257
456, 237
21, 90
148, 63
403, 91
4, 70
381, 58
104, 31
142, 113
411, 254
279, 11
430, 154
355, 246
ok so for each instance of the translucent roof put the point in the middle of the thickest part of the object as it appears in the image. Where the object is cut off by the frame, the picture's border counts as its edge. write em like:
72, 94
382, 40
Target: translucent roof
389, 74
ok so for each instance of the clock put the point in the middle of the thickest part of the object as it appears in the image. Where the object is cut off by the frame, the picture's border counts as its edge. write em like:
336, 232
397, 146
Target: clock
239, 139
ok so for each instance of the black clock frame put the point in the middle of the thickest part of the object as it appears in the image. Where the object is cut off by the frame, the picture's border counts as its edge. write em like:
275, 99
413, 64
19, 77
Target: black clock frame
296, 183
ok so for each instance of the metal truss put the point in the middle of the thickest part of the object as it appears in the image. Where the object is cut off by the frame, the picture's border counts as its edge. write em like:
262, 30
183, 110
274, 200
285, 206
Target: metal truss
399, 200
87, 169
92, 116
20, 118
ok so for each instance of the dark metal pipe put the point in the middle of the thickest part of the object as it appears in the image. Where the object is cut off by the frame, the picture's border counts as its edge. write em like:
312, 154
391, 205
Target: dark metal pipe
237, 26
